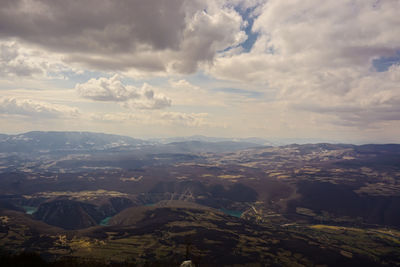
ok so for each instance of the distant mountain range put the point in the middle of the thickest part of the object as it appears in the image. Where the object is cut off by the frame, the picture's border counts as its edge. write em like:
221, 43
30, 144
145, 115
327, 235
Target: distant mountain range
254, 140
201, 138
38, 141
53, 141
58, 141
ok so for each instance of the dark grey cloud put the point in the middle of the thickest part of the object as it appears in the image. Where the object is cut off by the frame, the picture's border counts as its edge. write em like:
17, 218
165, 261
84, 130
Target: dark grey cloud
94, 25
151, 35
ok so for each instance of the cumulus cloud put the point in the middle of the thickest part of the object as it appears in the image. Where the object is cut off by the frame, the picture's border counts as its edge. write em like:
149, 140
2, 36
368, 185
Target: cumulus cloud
147, 36
213, 29
112, 89
149, 99
107, 89
318, 56
35, 109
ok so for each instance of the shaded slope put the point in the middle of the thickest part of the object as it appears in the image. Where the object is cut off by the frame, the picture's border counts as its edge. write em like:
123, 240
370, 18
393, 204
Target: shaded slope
341, 200
68, 214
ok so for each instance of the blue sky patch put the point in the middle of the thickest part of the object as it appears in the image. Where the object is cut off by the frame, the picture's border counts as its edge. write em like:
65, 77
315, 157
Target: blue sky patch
384, 63
251, 36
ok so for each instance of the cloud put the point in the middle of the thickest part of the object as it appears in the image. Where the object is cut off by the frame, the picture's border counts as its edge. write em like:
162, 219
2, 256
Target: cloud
156, 118
113, 90
149, 99
318, 57
14, 63
107, 89
155, 36
307, 36
183, 84
240, 92
371, 100
307, 65
185, 119
213, 29
18, 60
35, 109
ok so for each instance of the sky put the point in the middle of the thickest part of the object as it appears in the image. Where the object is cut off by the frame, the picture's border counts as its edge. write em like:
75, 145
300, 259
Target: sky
228, 68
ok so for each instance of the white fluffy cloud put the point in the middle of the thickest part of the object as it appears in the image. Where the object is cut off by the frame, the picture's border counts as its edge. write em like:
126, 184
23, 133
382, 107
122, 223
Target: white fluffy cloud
107, 89
318, 56
35, 109
113, 90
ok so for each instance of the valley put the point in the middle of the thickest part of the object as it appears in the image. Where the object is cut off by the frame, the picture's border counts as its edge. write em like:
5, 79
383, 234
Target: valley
114, 199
